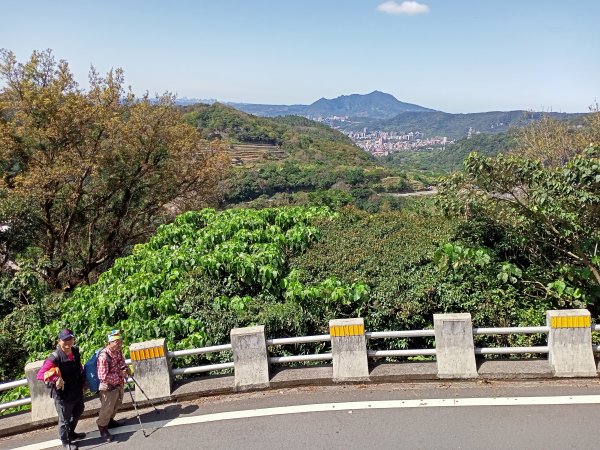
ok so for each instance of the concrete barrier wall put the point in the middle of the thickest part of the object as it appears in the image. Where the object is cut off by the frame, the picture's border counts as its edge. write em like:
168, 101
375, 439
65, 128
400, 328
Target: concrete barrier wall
151, 369
349, 349
250, 358
42, 405
569, 343
455, 353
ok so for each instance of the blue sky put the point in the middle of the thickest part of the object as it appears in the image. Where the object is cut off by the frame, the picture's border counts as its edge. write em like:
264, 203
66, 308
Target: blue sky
451, 55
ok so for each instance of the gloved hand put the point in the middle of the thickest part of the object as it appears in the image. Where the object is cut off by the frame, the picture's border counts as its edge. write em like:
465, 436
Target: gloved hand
60, 384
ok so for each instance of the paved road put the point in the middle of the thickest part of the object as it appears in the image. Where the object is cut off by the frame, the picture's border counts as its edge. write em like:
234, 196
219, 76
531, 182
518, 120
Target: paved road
410, 194
470, 415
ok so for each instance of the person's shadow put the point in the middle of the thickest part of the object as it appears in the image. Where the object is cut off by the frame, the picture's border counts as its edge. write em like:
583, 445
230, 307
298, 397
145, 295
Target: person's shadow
151, 421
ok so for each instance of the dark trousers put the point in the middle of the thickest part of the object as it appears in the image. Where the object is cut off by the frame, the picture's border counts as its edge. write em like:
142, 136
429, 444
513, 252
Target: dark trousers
69, 412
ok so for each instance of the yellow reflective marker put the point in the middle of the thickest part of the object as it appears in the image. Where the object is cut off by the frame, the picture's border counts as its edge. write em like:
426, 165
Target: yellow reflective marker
346, 330
571, 322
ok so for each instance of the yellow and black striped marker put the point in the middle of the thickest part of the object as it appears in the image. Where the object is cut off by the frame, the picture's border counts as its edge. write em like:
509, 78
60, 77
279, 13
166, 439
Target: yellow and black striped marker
147, 353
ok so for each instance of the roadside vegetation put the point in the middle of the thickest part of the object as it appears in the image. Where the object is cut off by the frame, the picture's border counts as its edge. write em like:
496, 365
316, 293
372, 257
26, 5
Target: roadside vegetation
118, 211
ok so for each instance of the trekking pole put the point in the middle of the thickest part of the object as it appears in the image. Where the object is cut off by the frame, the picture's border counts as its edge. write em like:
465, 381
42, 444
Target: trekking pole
142, 391
136, 410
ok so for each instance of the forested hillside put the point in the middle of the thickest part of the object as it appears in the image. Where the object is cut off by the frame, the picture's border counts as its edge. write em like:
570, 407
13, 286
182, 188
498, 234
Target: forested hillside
312, 159
456, 126
302, 139
104, 224
450, 159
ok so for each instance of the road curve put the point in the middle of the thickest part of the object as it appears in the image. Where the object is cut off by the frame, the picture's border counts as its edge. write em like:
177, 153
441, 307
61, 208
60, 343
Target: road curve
546, 414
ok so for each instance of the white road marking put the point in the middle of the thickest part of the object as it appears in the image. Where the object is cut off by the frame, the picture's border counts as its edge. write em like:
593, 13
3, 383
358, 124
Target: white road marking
348, 406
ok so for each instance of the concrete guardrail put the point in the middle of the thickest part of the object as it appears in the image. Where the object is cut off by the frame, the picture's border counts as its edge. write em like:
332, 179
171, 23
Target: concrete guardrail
569, 351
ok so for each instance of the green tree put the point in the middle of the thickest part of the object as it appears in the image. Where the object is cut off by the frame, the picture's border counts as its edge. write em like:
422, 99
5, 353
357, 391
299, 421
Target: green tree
555, 212
98, 168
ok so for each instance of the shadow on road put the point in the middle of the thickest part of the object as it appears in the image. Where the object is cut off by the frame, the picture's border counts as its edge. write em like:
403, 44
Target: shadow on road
132, 423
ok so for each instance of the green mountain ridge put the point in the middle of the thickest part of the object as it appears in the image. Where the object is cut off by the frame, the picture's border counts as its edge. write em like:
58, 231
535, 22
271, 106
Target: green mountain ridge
374, 105
454, 126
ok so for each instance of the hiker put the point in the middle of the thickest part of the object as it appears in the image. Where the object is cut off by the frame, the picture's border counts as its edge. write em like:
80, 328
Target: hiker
112, 372
63, 374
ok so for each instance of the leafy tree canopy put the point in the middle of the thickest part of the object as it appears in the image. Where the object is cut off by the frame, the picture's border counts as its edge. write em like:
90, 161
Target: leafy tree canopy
85, 174
202, 275
553, 212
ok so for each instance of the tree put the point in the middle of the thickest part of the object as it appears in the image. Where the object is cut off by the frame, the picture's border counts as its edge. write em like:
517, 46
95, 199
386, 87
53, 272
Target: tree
98, 168
554, 142
555, 211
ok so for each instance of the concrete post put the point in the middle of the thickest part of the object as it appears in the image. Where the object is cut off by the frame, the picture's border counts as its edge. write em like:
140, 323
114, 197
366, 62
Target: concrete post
349, 348
455, 353
570, 343
42, 406
151, 369
250, 358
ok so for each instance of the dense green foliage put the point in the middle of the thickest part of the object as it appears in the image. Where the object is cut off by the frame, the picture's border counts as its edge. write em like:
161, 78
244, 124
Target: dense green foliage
550, 214
413, 272
288, 177
202, 275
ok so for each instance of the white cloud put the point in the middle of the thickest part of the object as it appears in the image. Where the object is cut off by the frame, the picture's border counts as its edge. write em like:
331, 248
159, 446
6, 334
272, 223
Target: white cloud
407, 7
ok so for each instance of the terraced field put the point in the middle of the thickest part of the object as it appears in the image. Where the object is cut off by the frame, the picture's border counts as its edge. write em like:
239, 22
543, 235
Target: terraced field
250, 154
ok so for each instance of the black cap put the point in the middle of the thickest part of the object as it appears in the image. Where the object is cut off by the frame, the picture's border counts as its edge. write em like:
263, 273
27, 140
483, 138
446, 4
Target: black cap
65, 334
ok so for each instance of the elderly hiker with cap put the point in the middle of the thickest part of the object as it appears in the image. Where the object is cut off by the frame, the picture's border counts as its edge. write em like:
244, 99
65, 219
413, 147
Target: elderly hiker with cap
112, 371
63, 374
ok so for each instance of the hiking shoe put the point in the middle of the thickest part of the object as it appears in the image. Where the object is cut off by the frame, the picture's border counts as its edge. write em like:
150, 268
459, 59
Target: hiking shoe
114, 424
76, 436
105, 434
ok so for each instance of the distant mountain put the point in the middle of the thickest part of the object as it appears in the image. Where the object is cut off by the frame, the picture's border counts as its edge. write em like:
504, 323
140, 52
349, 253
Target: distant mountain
376, 105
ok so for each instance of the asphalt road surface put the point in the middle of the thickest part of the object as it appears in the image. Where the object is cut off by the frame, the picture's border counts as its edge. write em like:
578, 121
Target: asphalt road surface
562, 414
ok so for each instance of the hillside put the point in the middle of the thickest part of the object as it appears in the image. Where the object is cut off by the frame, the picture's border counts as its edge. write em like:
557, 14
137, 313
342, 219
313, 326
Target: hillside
444, 161
375, 105
453, 126
292, 138
293, 160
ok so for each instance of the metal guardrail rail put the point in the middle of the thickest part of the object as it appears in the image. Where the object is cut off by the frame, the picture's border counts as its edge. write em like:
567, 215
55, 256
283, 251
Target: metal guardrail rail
201, 351
14, 403
511, 330
399, 352
299, 340
328, 356
542, 349
398, 334
13, 384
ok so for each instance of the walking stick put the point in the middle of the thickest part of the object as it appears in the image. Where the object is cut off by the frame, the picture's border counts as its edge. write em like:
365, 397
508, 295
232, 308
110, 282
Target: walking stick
142, 391
136, 410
